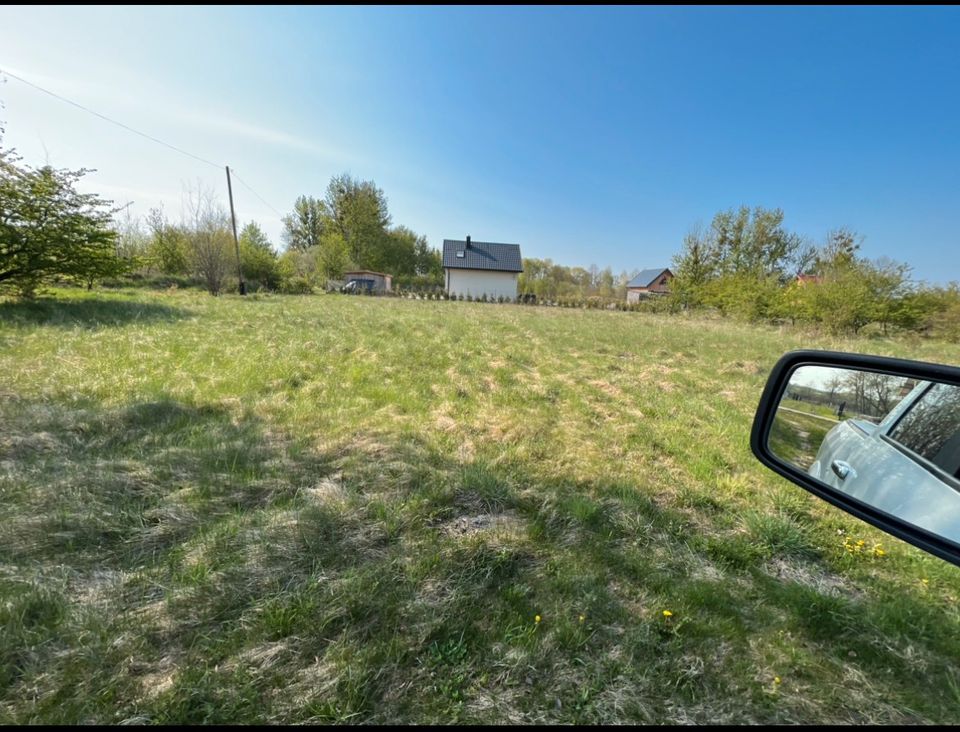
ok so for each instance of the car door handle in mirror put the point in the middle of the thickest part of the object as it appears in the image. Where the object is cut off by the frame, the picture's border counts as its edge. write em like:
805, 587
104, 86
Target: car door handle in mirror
842, 469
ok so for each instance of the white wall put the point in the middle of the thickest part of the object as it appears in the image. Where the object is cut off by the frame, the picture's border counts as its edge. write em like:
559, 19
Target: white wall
477, 282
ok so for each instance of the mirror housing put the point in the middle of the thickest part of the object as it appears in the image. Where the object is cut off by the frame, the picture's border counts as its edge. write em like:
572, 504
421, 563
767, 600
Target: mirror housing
767, 411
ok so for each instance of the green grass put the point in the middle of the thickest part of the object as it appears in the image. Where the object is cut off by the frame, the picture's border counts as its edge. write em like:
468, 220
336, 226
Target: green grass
796, 438
323, 509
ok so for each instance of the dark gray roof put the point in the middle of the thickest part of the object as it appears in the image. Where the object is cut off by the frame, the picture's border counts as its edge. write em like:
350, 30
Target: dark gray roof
482, 255
645, 277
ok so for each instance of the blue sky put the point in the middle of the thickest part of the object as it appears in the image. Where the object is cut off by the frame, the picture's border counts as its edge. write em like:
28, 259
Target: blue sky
587, 135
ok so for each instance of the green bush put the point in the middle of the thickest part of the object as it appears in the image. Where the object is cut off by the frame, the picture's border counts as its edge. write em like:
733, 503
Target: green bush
296, 285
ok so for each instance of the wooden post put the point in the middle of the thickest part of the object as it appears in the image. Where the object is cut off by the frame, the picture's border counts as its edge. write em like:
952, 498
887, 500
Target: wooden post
236, 241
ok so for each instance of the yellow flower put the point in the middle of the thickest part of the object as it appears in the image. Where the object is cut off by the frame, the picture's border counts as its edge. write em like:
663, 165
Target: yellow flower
667, 614
925, 581
776, 679
582, 618
536, 618
860, 542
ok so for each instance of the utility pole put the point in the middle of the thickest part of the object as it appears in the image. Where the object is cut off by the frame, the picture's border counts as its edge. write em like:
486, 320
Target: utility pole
236, 241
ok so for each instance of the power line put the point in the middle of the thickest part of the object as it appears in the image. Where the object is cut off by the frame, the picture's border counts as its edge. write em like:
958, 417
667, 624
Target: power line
141, 134
112, 121
247, 186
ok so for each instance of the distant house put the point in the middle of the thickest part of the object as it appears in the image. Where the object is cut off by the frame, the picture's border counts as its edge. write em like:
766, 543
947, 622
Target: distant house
479, 268
367, 280
649, 281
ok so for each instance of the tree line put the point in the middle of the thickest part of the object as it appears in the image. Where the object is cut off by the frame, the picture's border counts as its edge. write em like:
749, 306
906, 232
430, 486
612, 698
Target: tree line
546, 280
50, 232
746, 264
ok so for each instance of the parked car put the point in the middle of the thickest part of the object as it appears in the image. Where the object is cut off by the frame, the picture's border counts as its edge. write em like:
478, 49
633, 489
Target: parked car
874, 462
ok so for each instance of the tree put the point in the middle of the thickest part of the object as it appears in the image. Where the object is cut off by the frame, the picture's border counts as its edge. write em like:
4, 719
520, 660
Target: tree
209, 242
692, 268
49, 230
258, 260
133, 242
838, 252
333, 257
394, 251
429, 262
304, 228
350, 227
357, 210
168, 247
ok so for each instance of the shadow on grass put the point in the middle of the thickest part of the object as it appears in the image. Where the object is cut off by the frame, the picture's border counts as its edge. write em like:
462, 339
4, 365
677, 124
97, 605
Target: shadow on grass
85, 313
185, 563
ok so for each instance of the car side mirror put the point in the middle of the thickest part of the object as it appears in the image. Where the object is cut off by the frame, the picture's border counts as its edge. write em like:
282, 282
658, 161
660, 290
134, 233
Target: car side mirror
877, 437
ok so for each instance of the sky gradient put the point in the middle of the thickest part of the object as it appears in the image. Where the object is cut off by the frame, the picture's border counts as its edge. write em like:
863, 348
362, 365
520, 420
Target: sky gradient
587, 135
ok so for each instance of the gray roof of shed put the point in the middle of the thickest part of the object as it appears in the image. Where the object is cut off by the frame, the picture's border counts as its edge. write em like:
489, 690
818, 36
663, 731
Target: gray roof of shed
646, 276
482, 255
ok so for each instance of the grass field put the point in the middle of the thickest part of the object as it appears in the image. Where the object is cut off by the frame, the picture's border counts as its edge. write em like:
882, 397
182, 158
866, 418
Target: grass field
312, 509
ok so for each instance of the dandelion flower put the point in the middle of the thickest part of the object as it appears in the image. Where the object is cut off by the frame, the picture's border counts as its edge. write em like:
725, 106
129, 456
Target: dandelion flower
536, 618
776, 679
667, 614
582, 618
925, 581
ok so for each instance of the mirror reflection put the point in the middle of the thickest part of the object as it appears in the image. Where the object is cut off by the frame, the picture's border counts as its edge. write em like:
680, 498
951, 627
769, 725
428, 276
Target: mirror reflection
892, 442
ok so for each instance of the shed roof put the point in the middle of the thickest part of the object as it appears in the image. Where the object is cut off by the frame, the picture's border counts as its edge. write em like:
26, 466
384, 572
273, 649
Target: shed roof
645, 277
365, 271
486, 255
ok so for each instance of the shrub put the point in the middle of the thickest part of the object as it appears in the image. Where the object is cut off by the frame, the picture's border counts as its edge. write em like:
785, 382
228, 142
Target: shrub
296, 285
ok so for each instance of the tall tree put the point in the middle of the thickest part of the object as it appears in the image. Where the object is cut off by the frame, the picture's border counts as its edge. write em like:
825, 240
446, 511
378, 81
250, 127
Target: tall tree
692, 268
358, 212
304, 228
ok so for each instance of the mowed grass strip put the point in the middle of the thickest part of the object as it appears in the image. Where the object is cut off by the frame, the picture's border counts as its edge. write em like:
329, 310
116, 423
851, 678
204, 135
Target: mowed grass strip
342, 509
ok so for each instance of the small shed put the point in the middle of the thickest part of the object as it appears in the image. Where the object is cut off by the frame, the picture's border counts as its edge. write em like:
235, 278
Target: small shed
369, 280
649, 282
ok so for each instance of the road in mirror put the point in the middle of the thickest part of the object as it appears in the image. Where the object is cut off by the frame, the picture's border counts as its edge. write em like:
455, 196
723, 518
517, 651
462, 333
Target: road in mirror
890, 441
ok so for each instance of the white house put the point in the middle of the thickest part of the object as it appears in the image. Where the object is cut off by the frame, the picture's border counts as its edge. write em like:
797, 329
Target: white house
479, 268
